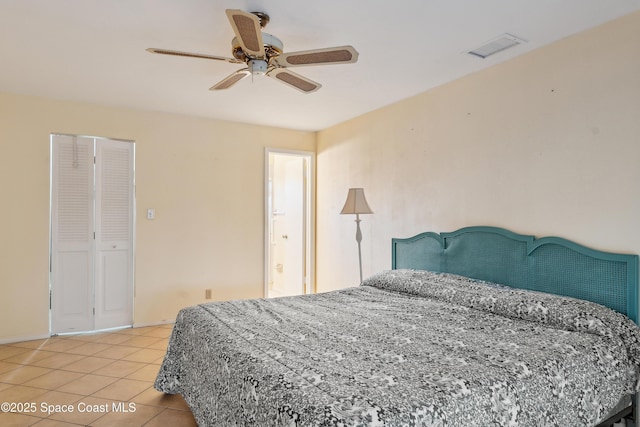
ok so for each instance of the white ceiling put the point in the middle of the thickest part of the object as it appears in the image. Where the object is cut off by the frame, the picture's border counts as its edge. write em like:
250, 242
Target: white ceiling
94, 51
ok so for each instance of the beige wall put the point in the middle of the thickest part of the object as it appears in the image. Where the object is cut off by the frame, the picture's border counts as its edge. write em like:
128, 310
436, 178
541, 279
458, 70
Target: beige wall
546, 144
205, 179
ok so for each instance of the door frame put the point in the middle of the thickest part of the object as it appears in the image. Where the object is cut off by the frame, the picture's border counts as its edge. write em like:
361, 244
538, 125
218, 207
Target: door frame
309, 221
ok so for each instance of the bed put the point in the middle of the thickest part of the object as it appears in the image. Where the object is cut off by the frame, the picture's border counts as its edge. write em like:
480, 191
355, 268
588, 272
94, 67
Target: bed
478, 327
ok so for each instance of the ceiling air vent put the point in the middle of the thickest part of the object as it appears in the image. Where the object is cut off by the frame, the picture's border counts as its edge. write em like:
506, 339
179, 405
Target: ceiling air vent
496, 45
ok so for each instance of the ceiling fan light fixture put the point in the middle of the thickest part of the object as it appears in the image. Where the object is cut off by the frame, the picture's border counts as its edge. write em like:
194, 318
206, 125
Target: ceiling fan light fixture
257, 67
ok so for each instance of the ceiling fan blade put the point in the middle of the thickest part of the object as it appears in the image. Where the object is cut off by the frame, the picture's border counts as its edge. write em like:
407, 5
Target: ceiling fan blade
330, 55
294, 80
193, 55
246, 26
230, 80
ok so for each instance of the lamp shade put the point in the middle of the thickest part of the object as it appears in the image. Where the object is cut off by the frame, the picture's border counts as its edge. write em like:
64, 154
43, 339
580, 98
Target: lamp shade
356, 202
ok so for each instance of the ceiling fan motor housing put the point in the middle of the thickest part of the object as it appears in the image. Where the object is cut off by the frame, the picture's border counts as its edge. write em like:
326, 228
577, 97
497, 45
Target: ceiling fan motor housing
272, 47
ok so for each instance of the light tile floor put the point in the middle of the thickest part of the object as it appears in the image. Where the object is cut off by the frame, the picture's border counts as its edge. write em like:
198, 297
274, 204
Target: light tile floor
105, 378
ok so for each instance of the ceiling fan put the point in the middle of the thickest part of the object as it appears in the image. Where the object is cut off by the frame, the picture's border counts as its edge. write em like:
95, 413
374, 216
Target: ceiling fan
263, 54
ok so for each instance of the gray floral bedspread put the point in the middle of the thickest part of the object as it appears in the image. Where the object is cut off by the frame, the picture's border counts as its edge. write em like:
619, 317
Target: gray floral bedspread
406, 348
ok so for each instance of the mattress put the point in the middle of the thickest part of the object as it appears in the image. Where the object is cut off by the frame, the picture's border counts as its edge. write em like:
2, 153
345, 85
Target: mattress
404, 348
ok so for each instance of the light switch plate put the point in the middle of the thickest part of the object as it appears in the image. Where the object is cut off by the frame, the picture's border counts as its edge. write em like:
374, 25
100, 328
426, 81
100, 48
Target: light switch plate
151, 213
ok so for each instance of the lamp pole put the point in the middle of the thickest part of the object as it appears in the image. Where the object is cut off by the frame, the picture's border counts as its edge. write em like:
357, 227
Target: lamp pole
359, 239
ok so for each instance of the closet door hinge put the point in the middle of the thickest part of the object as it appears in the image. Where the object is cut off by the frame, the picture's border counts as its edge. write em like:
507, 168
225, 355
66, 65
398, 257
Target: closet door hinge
94, 311
50, 300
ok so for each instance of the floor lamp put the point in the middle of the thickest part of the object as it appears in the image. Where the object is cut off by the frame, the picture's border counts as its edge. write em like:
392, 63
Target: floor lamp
357, 204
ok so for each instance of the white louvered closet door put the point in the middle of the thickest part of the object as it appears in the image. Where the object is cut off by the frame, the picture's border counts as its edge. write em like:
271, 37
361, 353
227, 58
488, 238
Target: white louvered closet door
72, 249
91, 234
114, 234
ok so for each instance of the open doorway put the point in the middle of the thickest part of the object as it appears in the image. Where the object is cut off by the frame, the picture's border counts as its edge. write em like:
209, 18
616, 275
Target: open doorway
289, 196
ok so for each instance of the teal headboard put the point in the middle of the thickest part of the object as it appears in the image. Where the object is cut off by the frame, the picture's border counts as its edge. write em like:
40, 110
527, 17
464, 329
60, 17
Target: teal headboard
548, 264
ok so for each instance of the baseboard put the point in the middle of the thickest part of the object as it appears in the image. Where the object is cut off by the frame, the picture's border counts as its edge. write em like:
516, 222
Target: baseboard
45, 336
21, 339
146, 324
